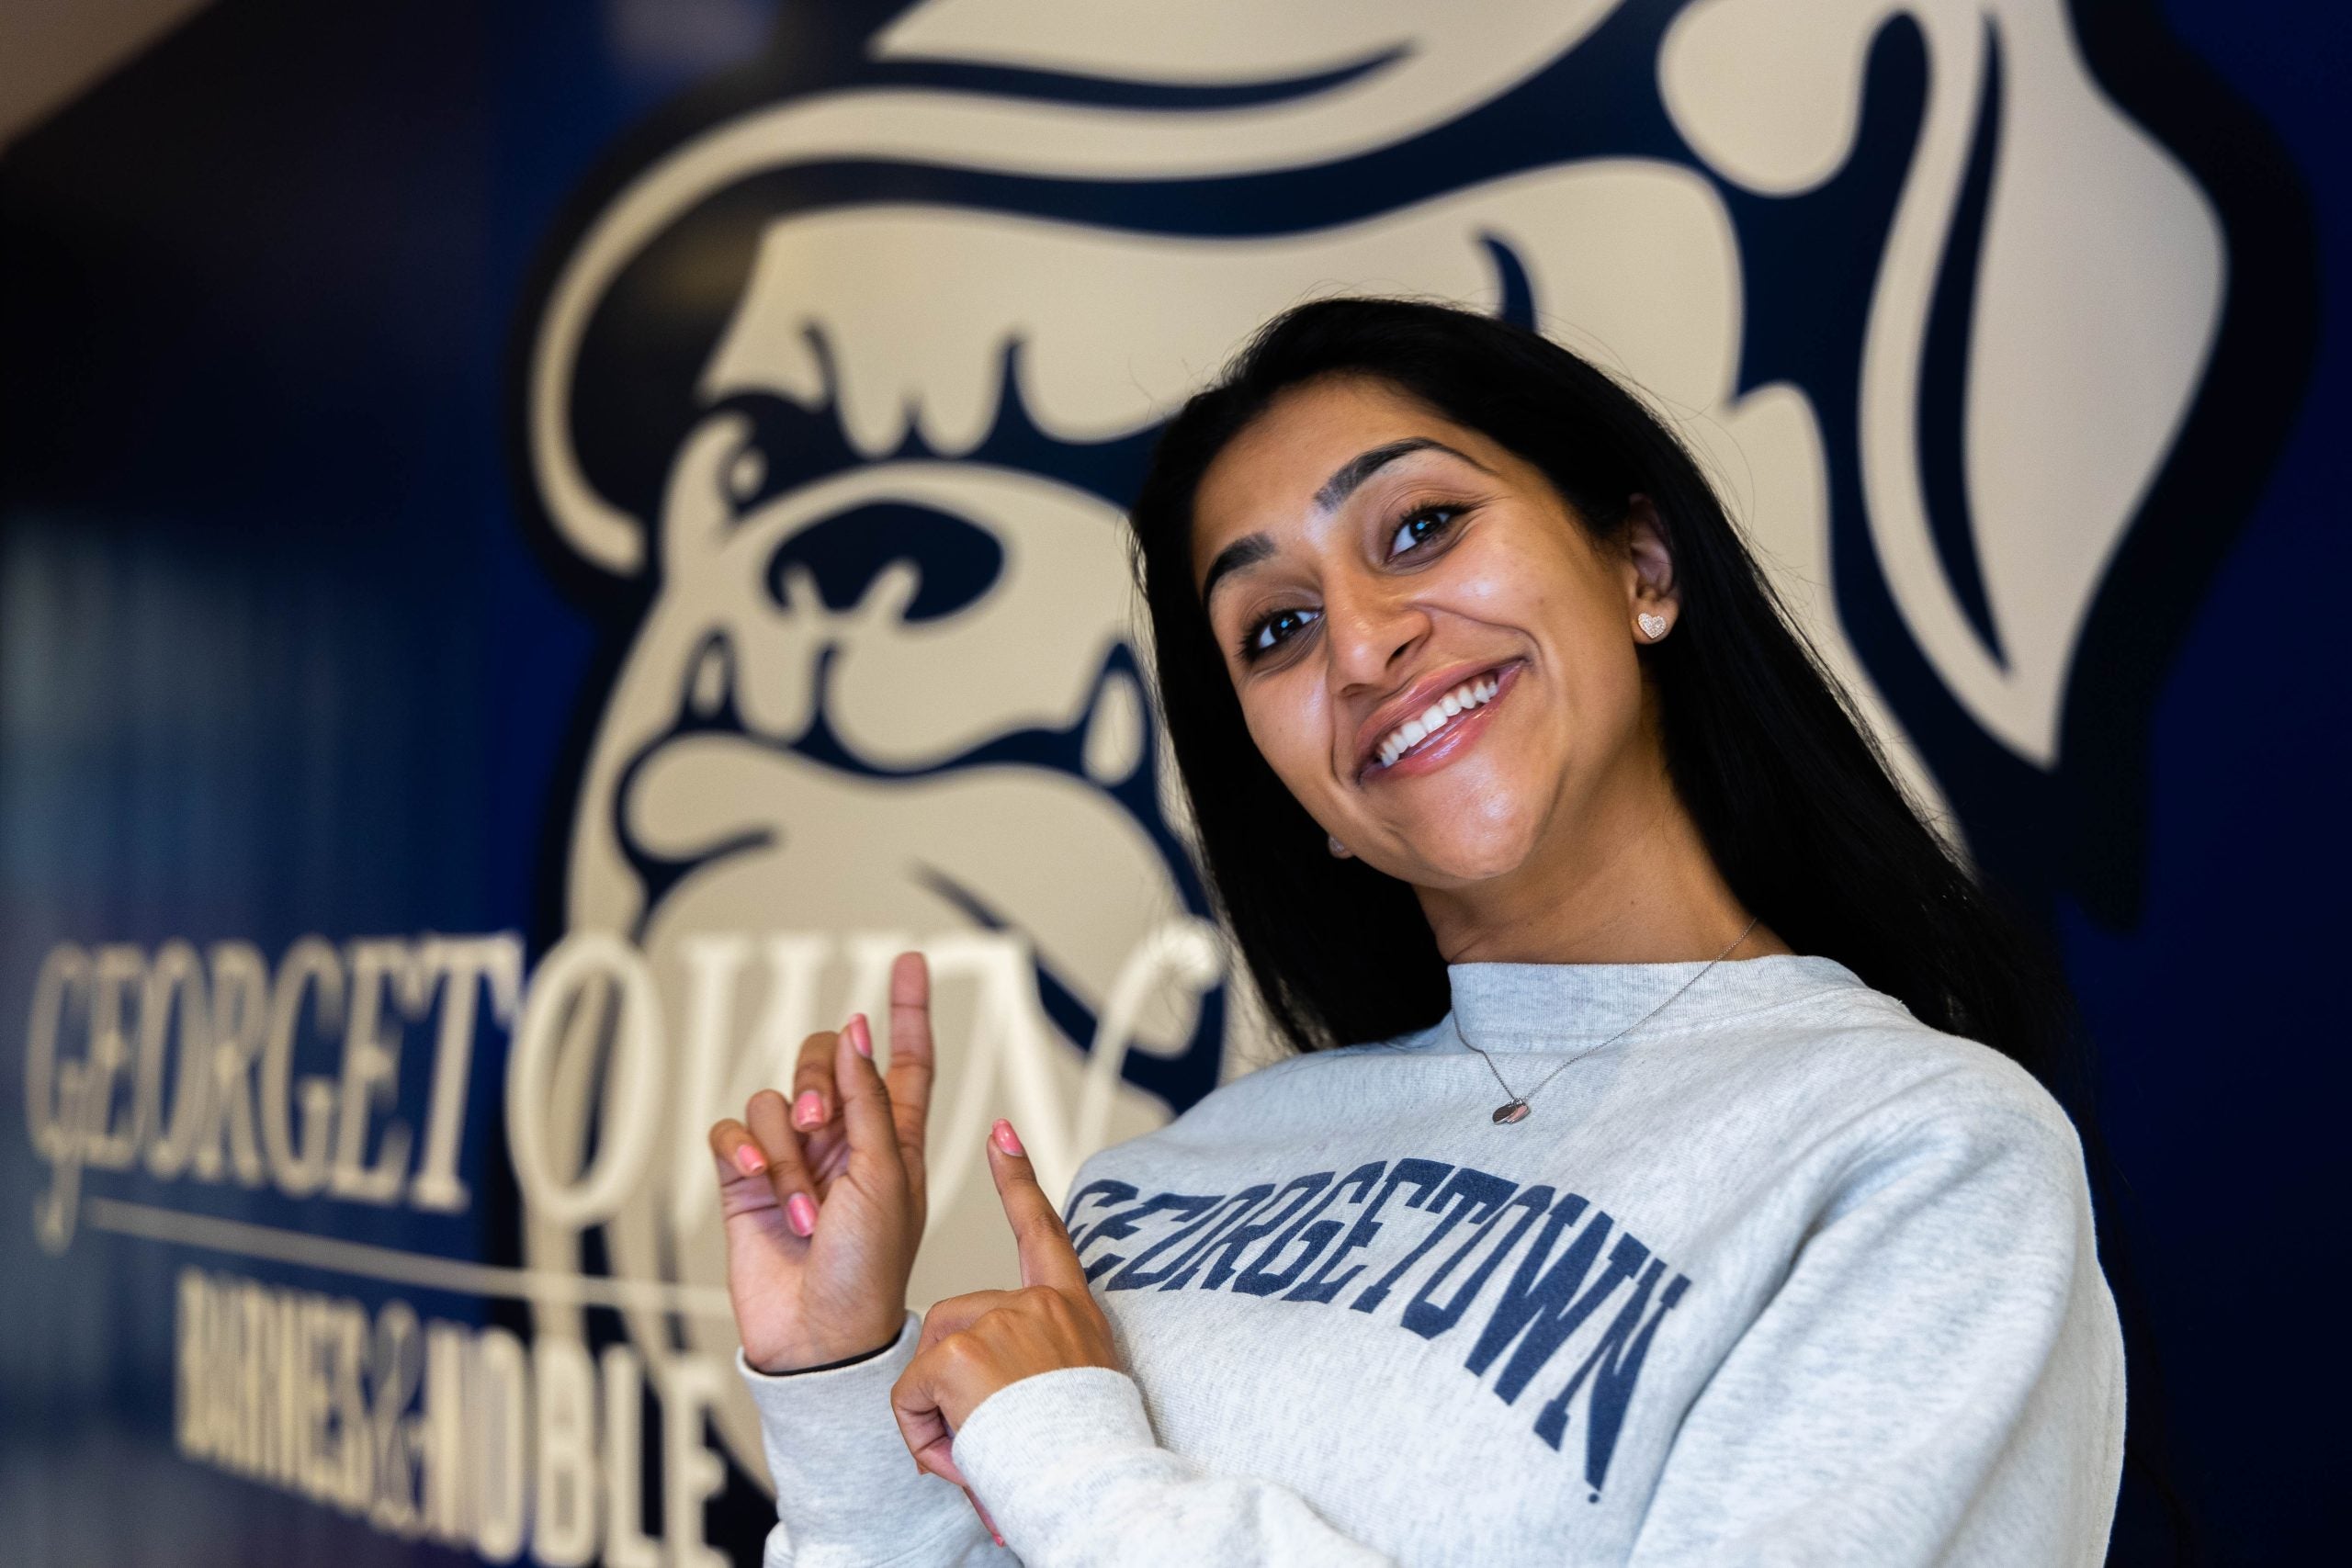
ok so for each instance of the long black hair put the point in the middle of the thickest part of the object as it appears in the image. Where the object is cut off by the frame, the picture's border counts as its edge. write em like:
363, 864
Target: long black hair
1767, 752
1765, 748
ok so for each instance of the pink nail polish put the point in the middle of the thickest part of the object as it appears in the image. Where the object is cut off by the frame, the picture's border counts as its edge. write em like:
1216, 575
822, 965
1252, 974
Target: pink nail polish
749, 1160
808, 1110
1006, 1138
801, 1213
861, 1039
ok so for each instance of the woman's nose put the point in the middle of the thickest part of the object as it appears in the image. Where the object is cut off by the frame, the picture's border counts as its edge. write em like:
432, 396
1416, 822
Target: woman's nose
1373, 629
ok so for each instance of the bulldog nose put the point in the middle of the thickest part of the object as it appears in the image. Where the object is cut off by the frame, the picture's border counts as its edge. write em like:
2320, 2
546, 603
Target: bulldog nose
955, 561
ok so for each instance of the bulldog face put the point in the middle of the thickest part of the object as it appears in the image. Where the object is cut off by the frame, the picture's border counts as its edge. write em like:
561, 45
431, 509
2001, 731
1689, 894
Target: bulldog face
899, 695
885, 704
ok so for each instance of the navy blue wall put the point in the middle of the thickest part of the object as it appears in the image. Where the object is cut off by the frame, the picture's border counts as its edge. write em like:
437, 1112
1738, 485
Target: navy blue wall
278, 654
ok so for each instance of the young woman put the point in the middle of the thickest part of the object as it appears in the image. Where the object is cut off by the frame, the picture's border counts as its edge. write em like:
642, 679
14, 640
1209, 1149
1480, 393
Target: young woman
1665, 1174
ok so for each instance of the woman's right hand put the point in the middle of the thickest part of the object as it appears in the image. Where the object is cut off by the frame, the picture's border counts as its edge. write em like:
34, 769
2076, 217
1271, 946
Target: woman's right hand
823, 1197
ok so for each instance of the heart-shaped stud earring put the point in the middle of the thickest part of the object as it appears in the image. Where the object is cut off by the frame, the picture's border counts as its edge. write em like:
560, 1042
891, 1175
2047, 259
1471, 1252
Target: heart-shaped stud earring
1338, 848
1653, 627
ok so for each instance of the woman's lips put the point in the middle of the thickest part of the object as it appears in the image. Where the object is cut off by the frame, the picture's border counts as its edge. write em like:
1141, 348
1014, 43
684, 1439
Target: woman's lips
1458, 734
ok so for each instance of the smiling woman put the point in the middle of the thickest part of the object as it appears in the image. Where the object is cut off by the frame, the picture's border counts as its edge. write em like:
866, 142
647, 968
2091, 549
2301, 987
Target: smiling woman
1507, 770
1381, 488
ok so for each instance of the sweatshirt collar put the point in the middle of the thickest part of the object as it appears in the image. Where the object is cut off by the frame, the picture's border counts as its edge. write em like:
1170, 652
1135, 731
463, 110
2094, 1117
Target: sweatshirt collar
1531, 1006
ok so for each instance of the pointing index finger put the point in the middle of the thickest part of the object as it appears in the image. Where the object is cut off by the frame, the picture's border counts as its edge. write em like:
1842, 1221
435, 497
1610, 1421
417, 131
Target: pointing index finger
1046, 1256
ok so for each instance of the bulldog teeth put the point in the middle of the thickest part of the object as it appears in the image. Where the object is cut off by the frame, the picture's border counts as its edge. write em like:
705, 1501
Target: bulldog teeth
1421, 726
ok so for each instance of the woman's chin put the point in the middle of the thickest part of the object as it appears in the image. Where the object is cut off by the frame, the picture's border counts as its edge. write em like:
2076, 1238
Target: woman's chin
1452, 860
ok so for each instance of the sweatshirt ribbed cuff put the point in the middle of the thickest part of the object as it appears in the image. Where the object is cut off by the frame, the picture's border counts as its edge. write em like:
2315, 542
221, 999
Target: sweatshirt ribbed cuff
1050, 1448
846, 1489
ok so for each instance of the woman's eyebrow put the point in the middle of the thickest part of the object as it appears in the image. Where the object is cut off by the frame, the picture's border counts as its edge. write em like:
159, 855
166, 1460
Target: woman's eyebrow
1248, 550
1251, 549
1363, 465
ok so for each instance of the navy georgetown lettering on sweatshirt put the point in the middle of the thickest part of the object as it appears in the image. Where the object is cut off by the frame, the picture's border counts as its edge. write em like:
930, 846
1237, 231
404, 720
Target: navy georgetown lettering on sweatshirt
1783, 1276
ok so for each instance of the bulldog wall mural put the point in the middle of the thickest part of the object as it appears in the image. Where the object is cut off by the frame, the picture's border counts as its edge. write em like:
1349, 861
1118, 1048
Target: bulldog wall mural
836, 380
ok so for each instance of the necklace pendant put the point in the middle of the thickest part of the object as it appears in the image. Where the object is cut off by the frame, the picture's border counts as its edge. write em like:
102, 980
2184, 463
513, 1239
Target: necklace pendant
1516, 1110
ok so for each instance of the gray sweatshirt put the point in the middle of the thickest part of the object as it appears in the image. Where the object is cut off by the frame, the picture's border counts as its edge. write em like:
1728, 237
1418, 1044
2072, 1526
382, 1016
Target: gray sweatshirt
1783, 1276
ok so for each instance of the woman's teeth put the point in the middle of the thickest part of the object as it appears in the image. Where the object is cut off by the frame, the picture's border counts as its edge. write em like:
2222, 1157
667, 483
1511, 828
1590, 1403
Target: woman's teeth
1414, 730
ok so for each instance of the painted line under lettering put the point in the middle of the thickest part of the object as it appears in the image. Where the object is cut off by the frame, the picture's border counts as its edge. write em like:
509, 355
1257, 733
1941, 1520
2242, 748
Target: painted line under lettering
542, 1286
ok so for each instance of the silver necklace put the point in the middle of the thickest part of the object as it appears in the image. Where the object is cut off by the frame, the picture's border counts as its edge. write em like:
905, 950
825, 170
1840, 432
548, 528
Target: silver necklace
1515, 1109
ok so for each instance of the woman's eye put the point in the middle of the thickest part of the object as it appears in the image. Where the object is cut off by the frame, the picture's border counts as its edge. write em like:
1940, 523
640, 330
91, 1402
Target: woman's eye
1275, 629
1420, 527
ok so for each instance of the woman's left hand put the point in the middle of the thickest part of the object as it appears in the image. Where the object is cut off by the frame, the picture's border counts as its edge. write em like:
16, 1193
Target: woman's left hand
974, 1345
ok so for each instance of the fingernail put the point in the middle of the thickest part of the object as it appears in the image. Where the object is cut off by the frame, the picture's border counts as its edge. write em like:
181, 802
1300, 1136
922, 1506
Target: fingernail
861, 1039
749, 1160
801, 1213
808, 1110
1006, 1138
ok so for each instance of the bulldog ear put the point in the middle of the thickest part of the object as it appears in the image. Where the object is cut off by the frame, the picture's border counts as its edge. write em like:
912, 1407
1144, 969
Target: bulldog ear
2003, 461
598, 532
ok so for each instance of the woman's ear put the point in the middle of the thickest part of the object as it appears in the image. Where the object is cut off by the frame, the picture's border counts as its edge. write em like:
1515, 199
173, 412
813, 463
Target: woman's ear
1655, 600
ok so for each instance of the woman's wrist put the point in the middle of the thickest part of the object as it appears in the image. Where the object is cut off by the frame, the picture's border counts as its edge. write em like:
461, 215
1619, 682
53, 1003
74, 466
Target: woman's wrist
813, 1353
787, 1372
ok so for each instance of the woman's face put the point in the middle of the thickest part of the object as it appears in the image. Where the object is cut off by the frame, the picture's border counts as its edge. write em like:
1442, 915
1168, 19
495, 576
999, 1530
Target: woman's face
1371, 567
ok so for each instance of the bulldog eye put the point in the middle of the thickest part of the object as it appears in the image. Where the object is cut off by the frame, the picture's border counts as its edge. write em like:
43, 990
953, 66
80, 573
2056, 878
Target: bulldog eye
746, 475
763, 464
955, 561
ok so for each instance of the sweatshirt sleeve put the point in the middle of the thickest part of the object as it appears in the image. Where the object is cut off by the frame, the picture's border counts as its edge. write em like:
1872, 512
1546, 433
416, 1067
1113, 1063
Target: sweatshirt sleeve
1938, 1378
847, 1493
1074, 1477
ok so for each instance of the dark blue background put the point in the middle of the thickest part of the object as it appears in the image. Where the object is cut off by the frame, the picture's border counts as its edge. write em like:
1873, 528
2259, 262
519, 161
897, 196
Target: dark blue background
277, 655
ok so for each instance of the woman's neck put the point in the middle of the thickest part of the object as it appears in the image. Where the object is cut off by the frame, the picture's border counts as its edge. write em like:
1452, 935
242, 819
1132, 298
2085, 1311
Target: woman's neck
1632, 883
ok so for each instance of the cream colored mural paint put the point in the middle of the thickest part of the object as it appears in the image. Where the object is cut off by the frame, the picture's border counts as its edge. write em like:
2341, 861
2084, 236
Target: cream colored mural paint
1635, 262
